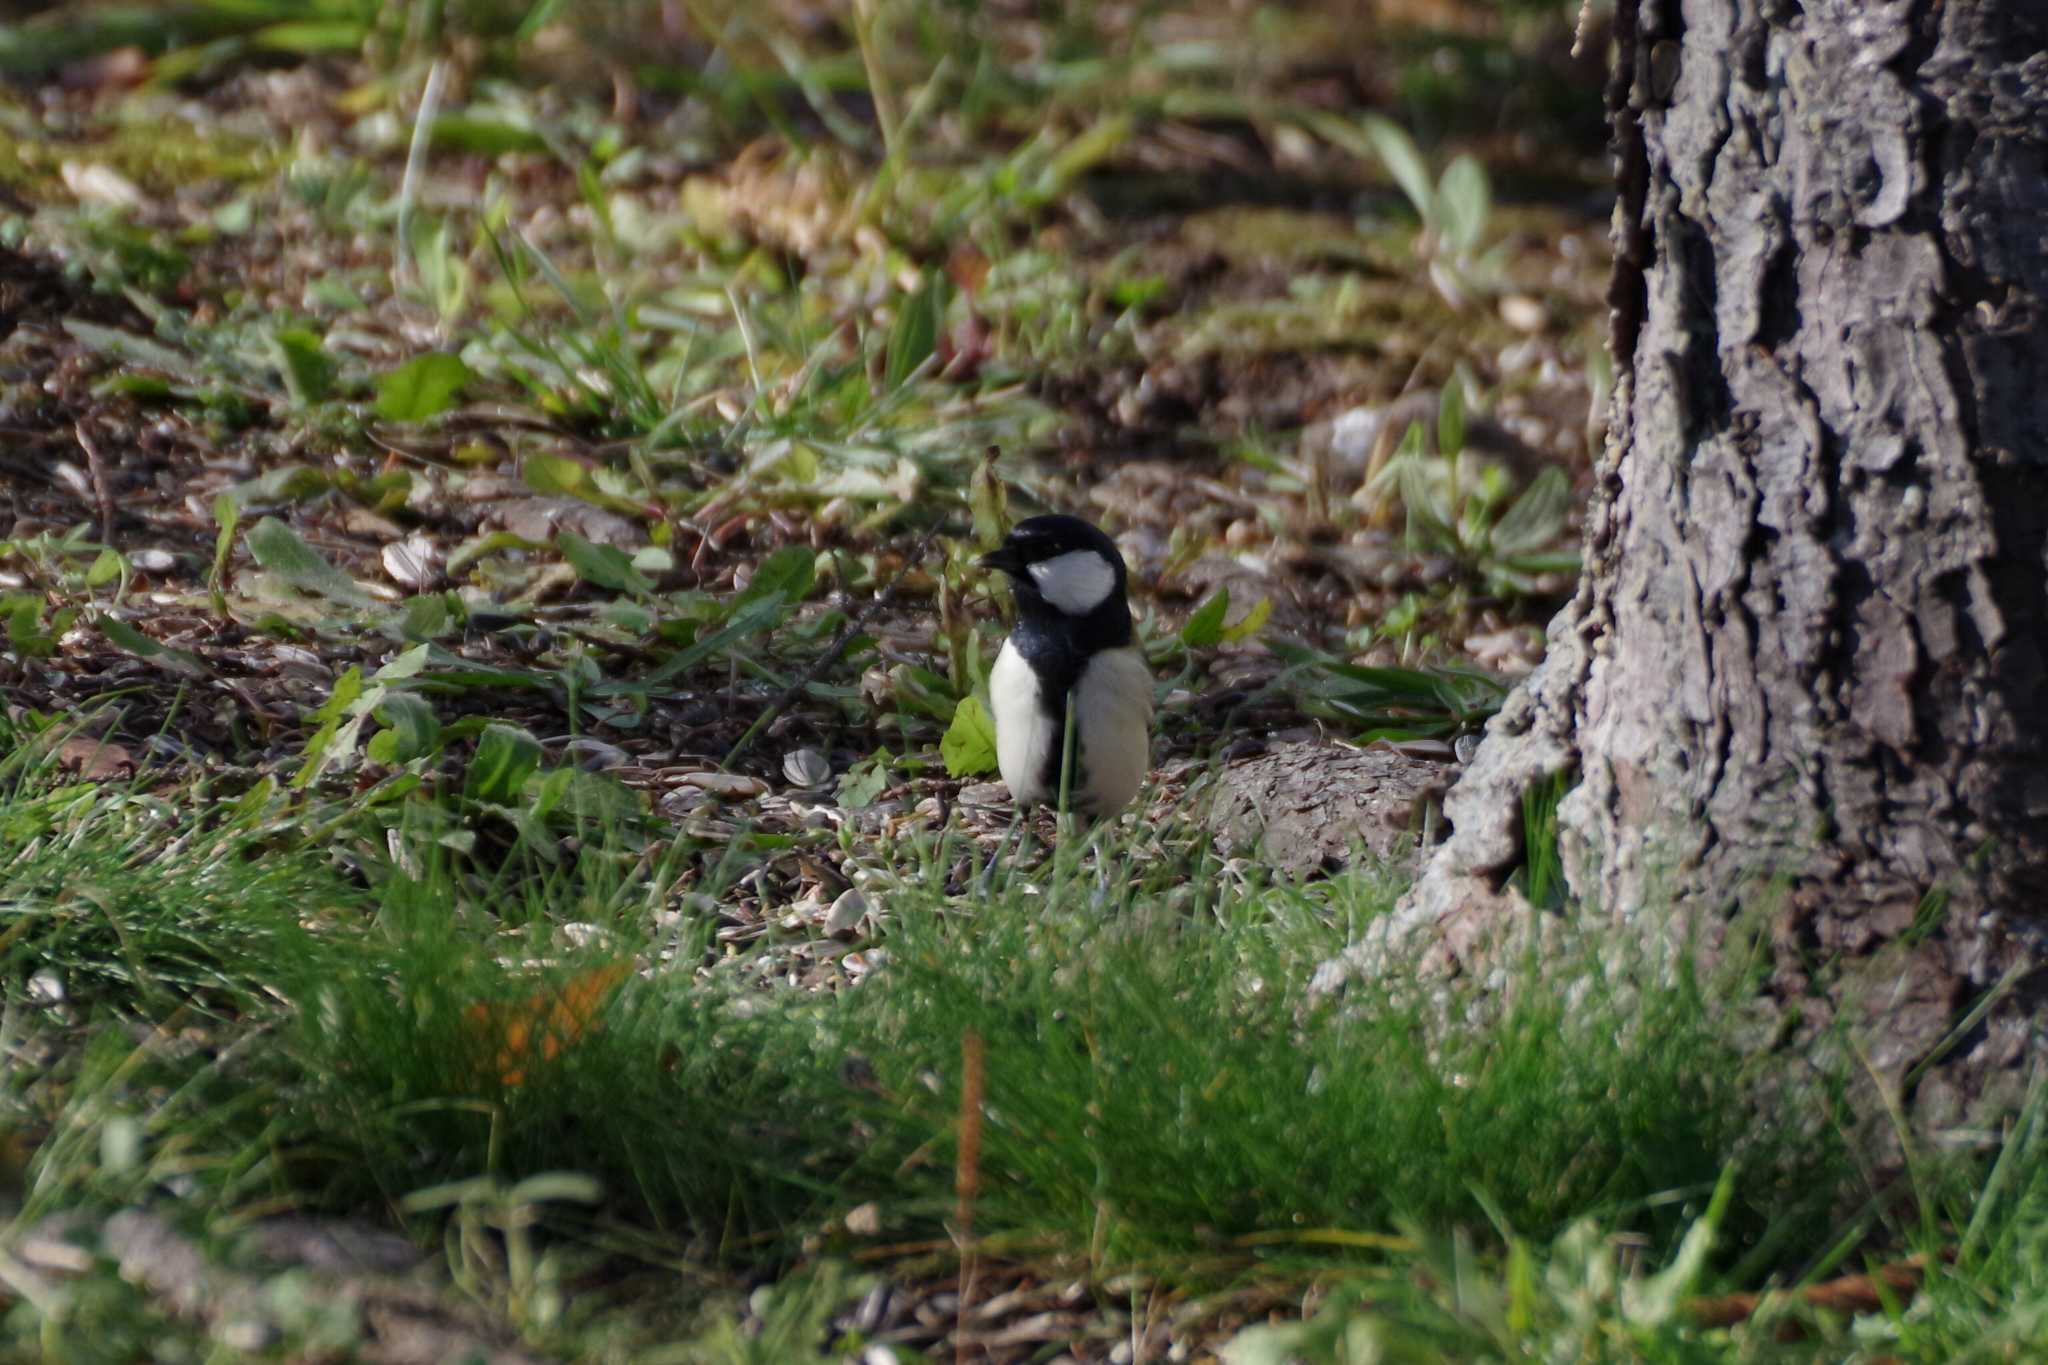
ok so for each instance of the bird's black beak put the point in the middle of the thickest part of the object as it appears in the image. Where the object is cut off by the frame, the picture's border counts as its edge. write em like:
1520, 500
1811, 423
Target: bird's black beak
1003, 557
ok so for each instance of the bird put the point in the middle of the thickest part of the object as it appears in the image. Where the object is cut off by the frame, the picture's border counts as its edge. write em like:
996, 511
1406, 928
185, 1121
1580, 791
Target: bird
1072, 642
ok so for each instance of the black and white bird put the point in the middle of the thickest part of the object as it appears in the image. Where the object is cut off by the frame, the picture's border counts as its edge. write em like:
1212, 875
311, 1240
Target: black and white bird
1073, 639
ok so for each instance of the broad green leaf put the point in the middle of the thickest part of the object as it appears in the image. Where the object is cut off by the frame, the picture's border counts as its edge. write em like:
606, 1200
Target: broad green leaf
106, 567
922, 692
1398, 153
506, 756
125, 636
1252, 622
424, 618
558, 475
1463, 202
865, 780
412, 730
1537, 518
1205, 627
607, 566
303, 360
278, 548
336, 737
347, 690
477, 547
1450, 420
422, 387
969, 745
406, 665
25, 630
1421, 501
788, 574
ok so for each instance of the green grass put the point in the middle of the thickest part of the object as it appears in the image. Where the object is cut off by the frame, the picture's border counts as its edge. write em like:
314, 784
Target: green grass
1158, 1094
292, 986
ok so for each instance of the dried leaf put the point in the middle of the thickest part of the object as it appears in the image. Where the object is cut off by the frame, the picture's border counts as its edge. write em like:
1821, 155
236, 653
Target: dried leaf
516, 1035
411, 561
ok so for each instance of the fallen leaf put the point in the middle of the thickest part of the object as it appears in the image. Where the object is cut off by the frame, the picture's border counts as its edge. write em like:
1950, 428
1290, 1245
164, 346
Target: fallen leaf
96, 760
411, 561
94, 183
518, 1034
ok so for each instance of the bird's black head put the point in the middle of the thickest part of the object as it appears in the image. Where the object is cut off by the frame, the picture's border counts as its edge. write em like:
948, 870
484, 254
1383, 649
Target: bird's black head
1069, 578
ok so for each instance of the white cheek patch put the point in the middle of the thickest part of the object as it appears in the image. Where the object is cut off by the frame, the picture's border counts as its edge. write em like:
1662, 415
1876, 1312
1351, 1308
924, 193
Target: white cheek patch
1075, 582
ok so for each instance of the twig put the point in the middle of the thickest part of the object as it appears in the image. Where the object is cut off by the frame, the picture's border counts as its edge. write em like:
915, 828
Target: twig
1851, 1294
102, 490
824, 661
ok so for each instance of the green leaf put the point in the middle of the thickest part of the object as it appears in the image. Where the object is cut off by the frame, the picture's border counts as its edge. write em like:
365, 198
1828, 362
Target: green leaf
1398, 153
1251, 623
865, 780
787, 574
1537, 518
1205, 627
311, 37
554, 1185
1464, 201
422, 387
506, 756
1450, 419
607, 566
1428, 518
125, 636
131, 349
347, 690
556, 475
425, 617
106, 567
969, 746
560, 476
485, 136
336, 737
307, 368
407, 665
915, 333
25, 630
278, 548
412, 730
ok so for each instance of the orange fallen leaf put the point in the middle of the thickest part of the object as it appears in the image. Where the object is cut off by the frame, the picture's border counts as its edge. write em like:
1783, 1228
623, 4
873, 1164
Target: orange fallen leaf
518, 1033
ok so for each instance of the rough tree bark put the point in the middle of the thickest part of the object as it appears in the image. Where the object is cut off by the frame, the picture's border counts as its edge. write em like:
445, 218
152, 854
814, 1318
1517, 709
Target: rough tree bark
1804, 666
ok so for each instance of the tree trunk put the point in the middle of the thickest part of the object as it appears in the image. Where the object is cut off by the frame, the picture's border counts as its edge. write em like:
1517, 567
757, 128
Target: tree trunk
1803, 672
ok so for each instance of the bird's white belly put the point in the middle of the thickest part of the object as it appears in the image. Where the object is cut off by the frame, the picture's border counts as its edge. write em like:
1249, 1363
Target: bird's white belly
1113, 710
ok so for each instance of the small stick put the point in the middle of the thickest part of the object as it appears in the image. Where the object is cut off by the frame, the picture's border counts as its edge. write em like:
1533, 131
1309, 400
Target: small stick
102, 490
1849, 1294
